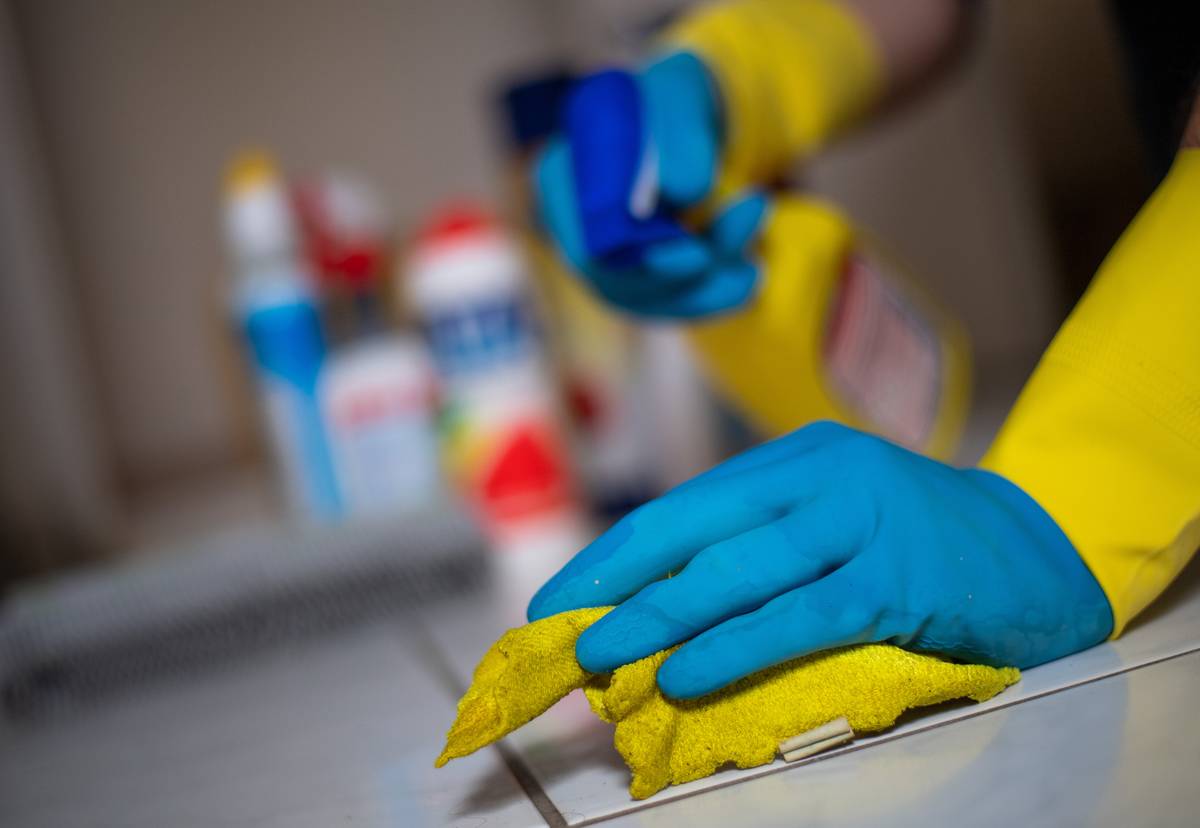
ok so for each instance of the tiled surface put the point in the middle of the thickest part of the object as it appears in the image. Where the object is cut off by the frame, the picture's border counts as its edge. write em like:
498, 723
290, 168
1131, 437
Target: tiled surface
570, 753
343, 731
1120, 751
337, 732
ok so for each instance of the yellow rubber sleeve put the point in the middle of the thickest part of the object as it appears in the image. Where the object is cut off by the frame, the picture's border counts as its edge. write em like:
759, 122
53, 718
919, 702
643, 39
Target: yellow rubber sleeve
1106, 434
791, 74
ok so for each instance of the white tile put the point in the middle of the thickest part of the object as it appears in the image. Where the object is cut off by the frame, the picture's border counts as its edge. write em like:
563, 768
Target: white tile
1120, 751
570, 753
341, 731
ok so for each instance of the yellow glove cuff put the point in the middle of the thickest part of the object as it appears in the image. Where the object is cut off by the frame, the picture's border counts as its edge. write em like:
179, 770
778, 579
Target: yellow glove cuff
791, 73
1106, 434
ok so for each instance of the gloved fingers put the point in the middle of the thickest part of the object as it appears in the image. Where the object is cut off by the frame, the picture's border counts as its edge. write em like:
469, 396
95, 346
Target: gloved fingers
644, 546
674, 268
682, 119
679, 279
596, 576
824, 614
724, 580
738, 224
663, 535
692, 255
557, 206
728, 278
677, 260
633, 291
724, 288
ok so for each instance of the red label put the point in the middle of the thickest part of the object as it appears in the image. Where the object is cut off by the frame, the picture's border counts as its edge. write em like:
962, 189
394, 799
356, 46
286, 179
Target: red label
528, 476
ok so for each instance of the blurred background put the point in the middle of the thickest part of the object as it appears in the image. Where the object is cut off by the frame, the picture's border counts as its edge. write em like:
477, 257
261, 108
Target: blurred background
130, 417
270, 292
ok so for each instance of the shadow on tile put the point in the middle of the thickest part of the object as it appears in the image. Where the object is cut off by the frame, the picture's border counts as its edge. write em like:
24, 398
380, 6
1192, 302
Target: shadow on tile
490, 792
588, 747
1182, 590
548, 759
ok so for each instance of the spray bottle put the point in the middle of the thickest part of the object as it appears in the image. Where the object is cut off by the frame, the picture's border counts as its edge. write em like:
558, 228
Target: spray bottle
274, 302
600, 357
377, 390
502, 426
835, 330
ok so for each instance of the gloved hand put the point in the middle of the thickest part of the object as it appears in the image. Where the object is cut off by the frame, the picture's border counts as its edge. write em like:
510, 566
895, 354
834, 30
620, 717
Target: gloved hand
611, 189
823, 538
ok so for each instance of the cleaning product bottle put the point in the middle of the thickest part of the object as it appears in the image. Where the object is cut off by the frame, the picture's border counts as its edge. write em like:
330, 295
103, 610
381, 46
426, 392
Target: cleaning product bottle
502, 431
377, 389
833, 330
274, 301
600, 357
345, 226
377, 397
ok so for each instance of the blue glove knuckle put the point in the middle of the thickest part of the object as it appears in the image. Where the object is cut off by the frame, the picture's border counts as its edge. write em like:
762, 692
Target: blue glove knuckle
869, 454
828, 430
721, 570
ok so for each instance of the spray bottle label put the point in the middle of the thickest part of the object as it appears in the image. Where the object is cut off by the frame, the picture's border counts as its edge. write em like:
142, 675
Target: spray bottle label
883, 354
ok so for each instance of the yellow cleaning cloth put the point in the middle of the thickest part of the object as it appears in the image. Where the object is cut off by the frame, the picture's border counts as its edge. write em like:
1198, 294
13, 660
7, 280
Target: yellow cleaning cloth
664, 741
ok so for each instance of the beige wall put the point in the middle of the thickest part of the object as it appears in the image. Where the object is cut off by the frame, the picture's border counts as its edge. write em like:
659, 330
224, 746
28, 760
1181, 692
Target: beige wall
1069, 74
56, 493
144, 101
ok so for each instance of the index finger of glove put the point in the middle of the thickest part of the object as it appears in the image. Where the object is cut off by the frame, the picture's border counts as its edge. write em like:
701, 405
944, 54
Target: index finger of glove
727, 579
827, 613
663, 535
680, 111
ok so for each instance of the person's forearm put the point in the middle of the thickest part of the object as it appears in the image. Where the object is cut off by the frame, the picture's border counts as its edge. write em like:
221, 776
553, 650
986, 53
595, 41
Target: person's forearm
916, 39
791, 75
1106, 434
1191, 133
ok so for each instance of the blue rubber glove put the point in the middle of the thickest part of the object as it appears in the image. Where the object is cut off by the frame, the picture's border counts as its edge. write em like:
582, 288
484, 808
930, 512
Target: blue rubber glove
823, 538
586, 179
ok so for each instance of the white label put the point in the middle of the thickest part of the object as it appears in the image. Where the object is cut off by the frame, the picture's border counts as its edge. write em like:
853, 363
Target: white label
384, 446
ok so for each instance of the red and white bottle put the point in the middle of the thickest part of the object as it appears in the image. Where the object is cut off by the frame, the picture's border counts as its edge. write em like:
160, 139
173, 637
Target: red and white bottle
503, 434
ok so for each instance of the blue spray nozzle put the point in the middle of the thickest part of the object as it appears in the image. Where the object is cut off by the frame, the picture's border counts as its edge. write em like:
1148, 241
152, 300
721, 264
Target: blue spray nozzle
615, 168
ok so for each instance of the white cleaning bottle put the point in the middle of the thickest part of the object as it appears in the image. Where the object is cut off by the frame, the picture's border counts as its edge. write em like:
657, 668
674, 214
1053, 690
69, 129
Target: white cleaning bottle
502, 433
274, 301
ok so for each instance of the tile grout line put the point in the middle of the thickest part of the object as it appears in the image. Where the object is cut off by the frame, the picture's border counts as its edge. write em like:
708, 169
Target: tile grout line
884, 739
443, 673
532, 788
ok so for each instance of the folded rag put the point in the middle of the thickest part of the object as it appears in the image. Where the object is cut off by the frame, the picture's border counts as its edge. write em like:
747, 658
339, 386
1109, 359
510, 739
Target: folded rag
667, 741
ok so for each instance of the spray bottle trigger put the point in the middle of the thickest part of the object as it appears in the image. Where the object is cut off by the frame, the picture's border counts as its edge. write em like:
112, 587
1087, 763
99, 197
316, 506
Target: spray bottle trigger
615, 167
